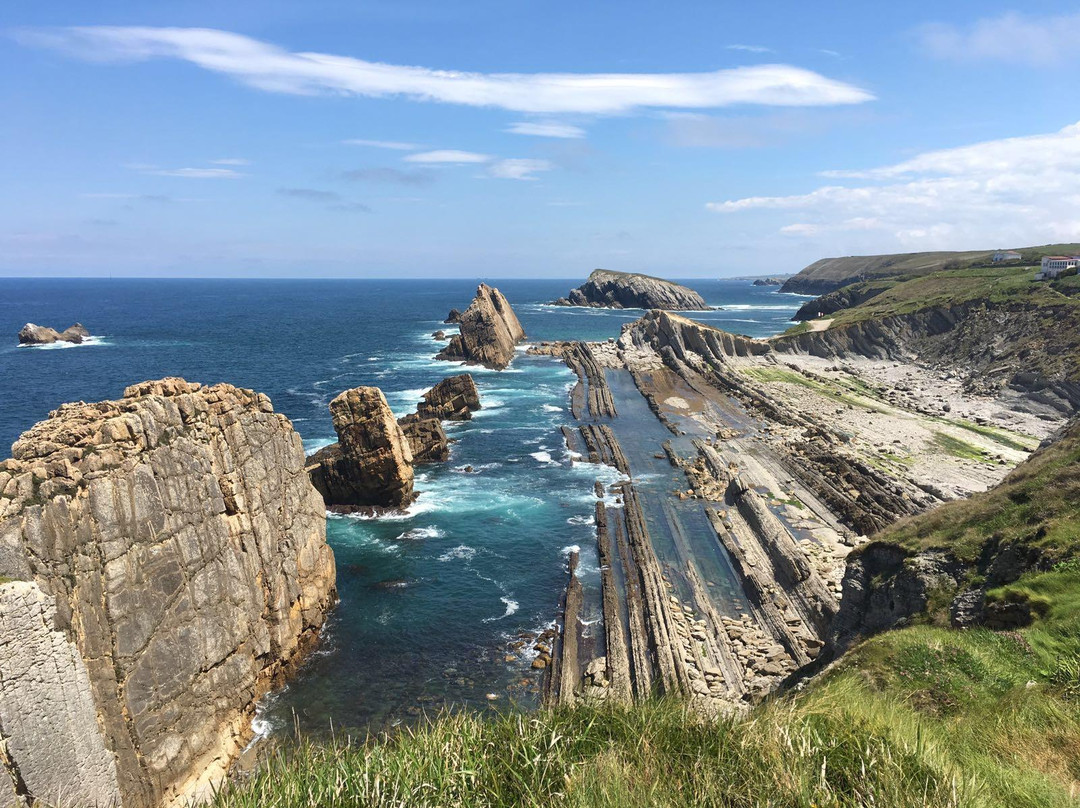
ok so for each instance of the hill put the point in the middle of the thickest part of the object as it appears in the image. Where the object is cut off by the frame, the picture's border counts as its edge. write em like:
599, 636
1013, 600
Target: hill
829, 274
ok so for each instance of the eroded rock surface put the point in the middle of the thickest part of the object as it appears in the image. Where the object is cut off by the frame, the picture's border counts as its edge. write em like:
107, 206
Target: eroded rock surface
453, 399
627, 290
489, 331
427, 440
31, 334
371, 464
166, 563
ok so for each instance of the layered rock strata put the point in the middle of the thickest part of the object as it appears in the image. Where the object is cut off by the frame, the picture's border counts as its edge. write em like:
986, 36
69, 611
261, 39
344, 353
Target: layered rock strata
427, 439
627, 290
31, 334
164, 563
453, 399
371, 465
489, 330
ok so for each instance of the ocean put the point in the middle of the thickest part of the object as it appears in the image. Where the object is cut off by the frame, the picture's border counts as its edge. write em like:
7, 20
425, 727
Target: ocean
432, 600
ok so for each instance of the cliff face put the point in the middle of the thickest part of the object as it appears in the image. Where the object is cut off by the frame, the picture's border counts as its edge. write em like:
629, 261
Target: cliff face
626, 290
489, 331
164, 562
828, 274
371, 464
1021, 347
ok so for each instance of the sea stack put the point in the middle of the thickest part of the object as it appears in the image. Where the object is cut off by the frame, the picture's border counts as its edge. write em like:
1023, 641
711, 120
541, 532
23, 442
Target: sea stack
489, 331
163, 563
606, 289
371, 464
31, 334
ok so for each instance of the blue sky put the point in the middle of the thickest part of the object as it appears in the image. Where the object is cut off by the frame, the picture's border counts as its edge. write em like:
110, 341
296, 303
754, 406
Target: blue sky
524, 139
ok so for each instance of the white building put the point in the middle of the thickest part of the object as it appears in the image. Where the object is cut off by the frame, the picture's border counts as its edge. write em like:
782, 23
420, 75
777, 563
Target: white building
1054, 265
1002, 256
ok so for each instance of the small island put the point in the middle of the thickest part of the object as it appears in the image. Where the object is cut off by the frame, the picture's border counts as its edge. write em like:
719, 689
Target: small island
31, 334
607, 289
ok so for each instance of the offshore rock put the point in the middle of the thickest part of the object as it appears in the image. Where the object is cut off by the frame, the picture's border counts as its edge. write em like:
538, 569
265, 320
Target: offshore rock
31, 334
371, 464
453, 317
427, 440
163, 563
489, 331
453, 399
627, 290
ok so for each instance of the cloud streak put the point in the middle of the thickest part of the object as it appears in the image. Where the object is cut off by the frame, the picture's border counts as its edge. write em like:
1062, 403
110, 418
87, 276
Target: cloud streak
394, 145
546, 129
270, 68
448, 156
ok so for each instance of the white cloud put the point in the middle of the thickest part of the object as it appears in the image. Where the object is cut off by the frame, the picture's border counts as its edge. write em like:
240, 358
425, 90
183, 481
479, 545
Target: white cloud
274, 69
196, 173
521, 168
1012, 37
1014, 191
231, 161
448, 156
395, 145
547, 129
750, 48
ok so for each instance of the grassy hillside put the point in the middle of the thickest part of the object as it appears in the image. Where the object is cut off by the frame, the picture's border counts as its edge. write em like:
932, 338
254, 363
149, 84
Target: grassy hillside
832, 273
922, 716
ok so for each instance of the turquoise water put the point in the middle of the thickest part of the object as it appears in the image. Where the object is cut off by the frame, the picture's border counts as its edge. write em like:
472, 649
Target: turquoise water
431, 600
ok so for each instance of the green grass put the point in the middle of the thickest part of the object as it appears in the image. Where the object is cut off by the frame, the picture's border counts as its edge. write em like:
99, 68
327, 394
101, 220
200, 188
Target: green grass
828, 390
1011, 440
922, 716
958, 448
798, 328
1036, 505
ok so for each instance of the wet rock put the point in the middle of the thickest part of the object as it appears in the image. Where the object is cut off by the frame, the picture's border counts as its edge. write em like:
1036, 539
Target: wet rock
31, 334
371, 464
427, 440
453, 399
489, 331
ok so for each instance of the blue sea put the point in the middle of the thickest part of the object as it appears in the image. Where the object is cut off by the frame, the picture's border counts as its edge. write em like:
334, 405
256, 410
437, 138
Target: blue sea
432, 600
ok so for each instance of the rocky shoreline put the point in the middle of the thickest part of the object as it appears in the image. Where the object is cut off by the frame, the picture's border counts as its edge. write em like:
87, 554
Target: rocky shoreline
627, 290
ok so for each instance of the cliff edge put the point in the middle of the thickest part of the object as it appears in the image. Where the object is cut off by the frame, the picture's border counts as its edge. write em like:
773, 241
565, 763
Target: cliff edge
163, 562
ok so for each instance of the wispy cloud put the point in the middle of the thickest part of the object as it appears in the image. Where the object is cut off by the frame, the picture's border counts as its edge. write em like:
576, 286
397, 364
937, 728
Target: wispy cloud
750, 48
521, 168
191, 173
545, 129
1013, 38
1012, 191
231, 161
310, 193
332, 199
274, 69
395, 176
395, 145
451, 156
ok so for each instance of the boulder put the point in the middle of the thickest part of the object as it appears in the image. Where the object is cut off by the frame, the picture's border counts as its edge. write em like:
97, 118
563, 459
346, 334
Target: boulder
426, 437
31, 334
439, 336
453, 399
627, 290
453, 317
163, 563
489, 331
371, 464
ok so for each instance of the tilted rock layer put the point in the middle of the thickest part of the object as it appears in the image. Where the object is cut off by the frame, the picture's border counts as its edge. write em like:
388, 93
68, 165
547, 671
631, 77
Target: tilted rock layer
453, 399
489, 331
371, 464
164, 560
627, 290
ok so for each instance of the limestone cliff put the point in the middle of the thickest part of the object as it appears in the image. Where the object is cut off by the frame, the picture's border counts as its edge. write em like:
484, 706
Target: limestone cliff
164, 562
453, 399
627, 290
489, 331
371, 464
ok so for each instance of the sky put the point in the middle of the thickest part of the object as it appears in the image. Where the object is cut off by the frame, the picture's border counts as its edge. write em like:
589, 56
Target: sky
409, 138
